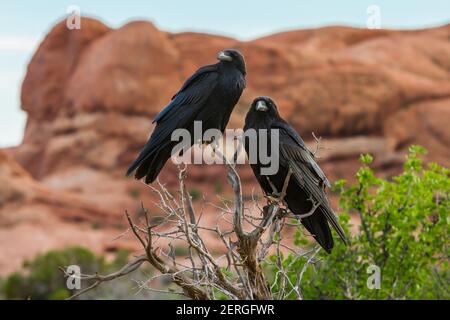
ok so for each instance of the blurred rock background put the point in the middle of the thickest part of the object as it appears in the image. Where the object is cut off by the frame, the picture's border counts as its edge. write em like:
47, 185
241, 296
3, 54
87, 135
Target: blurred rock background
90, 96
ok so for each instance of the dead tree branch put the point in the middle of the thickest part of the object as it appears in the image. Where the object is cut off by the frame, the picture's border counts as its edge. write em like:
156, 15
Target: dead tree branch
247, 238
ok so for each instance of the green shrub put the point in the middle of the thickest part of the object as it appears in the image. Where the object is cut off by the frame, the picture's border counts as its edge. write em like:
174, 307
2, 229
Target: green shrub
404, 231
41, 279
195, 194
135, 193
218, 187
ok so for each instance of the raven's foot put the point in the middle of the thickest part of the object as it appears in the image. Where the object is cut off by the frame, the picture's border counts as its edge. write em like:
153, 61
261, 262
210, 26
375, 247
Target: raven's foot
278, 197
275, 198
281, 213
213, 149
213, 144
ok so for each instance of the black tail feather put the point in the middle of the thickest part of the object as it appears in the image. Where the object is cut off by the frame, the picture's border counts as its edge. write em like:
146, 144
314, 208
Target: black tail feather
157, 163
149, 165
332, 219
317, 225
150, 162
143, 157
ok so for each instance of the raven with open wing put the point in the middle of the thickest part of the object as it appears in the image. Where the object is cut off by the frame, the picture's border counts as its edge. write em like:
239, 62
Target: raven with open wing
298, 174
209, 96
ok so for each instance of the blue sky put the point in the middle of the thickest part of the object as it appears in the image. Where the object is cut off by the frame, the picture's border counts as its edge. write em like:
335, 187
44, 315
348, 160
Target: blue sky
24, 23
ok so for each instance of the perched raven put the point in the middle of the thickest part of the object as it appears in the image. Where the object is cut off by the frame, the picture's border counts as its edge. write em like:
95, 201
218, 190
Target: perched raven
209, 96
306, 185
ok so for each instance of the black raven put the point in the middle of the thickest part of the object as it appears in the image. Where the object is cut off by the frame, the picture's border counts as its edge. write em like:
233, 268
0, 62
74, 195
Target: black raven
209, 96
305, 192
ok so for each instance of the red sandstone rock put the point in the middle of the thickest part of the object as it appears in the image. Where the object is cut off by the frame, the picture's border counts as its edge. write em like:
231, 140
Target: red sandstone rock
90, 95
35, 218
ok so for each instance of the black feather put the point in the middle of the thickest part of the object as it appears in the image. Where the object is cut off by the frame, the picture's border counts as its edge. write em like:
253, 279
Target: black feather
209, 96
308, 182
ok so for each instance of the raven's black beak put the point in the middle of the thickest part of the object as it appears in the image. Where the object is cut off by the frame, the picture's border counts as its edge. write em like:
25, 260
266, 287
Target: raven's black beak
222, 56
261, 106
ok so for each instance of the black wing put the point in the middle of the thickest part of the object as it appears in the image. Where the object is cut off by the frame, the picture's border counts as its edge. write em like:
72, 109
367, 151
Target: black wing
292, 138
180, 112
305, 170
195, 90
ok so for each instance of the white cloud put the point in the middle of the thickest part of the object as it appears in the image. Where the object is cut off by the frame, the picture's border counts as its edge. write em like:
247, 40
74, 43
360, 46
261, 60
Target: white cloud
18, 43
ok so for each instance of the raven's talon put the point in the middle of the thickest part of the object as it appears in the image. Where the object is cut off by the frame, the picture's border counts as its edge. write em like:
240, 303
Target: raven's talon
266, 210
274, 198
213, 150
282, 213
213, 144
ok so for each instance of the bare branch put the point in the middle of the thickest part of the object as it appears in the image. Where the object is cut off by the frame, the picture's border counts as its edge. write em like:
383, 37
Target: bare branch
127, 269
247, 235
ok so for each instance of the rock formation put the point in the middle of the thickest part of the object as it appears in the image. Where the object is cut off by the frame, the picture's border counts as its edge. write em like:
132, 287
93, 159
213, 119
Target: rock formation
90, 95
